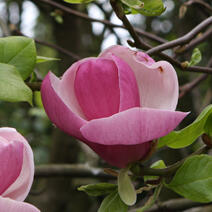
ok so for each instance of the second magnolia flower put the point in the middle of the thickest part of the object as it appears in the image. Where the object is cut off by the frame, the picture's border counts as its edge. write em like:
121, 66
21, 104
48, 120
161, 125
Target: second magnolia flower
116, 103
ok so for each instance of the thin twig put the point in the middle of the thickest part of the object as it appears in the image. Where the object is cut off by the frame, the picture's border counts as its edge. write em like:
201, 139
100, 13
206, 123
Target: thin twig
51, 45
175, 205
146, 171
200, 38
203, 3
199, 69
60, 49
189, 86
70, 170
118, 9
182, 40
105, 22
85, 171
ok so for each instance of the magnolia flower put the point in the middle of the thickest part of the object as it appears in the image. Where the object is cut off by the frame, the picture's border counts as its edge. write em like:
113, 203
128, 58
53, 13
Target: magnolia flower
116, 103
16, 172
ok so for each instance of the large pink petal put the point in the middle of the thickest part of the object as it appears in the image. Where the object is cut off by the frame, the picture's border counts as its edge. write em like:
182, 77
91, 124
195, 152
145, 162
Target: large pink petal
9, 205
157, 82
129, 96
11, 160
120, 155
58, 112
133, 126
20, 188
97, 88
65, 88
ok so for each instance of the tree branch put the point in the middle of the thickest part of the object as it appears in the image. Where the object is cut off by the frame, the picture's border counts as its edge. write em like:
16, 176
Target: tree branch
118, 9
202, 3
189, 86
51, 45
175, 205
194, 42
182, 40
105, 22
146, 171
70, 170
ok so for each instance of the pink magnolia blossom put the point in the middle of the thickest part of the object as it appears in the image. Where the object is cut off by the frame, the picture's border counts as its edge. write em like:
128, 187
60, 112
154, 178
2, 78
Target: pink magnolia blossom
116, 103
16, 172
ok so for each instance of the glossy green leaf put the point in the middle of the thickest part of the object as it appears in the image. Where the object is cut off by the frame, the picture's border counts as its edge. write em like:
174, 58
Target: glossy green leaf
193, 180
136, 4
157, 165
41, 59
113, 203
150, 202
186, 136
145, 7
78, 1
98, 189
152, 8
125, 188
20, 52
208, 126
12, 86
195, 58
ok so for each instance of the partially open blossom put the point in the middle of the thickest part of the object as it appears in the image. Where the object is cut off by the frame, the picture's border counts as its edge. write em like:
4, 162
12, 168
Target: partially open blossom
16, 172
116, 103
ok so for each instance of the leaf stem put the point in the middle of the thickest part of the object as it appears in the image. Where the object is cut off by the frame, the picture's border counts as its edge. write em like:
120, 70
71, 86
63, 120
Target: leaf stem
145, 171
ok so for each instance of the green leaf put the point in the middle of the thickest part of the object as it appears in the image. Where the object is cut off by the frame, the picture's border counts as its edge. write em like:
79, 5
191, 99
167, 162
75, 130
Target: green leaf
195, 58
12, 86
186, 136
37, 99
98, 189
113, 203
125, 188
136, 4
151, 200
193, 180
157, 165
57, 16
145, 7
41, 59
152, 8
78, 1
20, 52
208, 126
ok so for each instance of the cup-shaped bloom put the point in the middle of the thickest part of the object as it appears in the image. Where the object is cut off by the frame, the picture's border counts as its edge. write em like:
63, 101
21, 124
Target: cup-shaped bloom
116, 103
16, 172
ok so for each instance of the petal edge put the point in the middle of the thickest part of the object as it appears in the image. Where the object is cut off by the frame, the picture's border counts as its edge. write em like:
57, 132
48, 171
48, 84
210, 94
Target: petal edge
133, 126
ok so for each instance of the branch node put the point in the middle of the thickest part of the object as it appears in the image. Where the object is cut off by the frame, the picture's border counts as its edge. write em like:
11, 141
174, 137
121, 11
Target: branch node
131, 43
